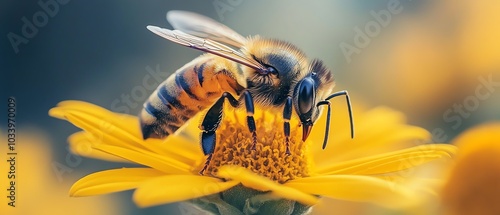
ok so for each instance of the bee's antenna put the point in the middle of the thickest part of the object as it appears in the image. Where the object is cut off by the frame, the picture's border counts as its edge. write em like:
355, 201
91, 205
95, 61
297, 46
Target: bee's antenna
327, 102
325, 140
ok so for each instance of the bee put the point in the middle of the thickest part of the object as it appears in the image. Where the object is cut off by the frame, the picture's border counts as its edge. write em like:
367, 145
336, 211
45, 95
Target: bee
243, 71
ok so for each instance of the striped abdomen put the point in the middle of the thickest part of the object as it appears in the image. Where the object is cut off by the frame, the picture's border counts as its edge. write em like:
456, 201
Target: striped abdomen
191, 89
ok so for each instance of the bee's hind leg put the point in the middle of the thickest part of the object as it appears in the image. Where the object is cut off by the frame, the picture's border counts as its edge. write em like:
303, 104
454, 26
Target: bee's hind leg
210, 124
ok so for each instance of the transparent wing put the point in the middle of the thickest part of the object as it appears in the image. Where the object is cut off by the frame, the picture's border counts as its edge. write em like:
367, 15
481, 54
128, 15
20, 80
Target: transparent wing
204, 27
206, 45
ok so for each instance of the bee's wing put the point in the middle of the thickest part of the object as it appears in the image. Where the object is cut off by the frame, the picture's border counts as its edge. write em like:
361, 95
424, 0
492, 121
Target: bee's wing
204, 27
206, 45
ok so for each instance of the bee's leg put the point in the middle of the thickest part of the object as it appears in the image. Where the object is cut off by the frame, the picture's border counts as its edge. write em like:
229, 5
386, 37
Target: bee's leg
287, 114
250, 120
206, 164
211, 123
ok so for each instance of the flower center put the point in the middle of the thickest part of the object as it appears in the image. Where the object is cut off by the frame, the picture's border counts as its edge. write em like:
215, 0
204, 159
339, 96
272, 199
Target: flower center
269, 159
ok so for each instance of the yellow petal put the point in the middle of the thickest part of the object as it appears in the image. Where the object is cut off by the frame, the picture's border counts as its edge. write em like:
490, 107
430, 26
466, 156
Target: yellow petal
165, 164
379, 130
114, 180
394, 138
123, 130
82, 141
182, 147
364, 123
92, 117
390, 162
257, 182
356, 188
174, 188
80, 144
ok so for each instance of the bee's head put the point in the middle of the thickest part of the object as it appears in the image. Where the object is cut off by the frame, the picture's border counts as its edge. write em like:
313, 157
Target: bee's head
308, 92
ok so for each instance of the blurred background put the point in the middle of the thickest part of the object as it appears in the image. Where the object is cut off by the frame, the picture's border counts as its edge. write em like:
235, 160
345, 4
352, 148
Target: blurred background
436, 61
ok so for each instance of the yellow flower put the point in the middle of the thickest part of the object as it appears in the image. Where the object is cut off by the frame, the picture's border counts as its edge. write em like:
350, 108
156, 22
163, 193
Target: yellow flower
245, 179
473, 186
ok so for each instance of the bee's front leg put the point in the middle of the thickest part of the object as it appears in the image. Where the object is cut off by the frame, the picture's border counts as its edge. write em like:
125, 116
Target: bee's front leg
250, 120
287, 114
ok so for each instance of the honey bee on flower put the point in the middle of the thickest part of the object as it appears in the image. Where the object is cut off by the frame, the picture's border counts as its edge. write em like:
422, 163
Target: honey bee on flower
269, 81
272, 73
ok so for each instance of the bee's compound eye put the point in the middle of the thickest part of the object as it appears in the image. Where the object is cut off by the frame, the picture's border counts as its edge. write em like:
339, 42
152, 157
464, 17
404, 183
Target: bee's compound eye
272, 70
306, 96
